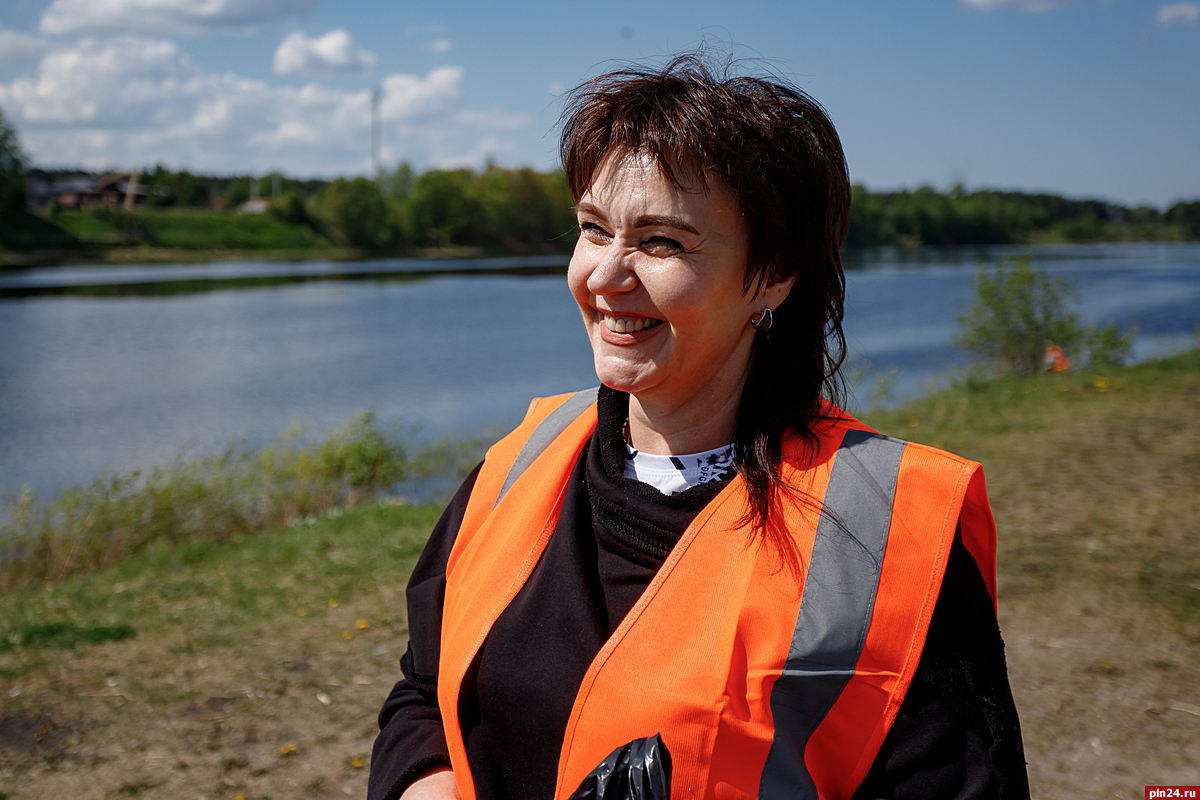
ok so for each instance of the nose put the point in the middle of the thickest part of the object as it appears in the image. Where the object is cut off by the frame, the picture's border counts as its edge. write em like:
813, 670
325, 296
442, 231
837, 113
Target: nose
614, 271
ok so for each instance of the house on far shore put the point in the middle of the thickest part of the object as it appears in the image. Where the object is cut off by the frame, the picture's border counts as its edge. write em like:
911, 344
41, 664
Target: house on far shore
85, 191
255, 205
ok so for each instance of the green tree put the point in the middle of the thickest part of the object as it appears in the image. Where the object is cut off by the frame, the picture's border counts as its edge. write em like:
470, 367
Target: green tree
1186, 216
398, 183
237, 191
1019, 310
289, 208
13, 163
446, 208
355, 213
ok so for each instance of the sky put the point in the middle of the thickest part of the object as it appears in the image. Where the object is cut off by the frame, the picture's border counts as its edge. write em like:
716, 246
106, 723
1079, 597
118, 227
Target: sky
1087, 98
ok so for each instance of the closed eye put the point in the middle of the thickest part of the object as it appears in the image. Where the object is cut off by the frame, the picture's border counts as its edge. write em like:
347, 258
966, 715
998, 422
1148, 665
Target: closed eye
594, 232
662, 246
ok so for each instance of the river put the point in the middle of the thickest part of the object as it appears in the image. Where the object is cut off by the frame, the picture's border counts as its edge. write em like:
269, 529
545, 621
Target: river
106, 368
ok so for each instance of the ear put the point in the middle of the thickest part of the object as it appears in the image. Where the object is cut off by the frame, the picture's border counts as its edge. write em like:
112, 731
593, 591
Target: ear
773, 294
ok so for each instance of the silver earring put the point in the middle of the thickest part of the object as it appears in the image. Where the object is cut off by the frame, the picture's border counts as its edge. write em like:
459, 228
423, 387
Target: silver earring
763, 323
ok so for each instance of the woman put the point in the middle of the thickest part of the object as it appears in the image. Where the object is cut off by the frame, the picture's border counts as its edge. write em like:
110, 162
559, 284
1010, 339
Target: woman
704, 548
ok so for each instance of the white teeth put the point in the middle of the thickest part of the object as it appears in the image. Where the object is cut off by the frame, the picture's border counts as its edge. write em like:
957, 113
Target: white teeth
629, 324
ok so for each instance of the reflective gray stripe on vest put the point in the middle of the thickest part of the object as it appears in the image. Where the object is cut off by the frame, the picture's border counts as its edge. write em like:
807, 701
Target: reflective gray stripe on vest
835, 611
546, 432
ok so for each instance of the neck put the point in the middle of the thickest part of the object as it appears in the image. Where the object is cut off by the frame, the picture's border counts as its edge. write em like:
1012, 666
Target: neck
705, 422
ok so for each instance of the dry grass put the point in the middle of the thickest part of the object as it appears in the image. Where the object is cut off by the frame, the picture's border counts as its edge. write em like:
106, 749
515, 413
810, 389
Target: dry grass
1096, 495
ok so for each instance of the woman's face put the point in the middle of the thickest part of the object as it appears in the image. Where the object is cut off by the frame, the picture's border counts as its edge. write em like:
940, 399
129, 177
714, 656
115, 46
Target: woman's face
658, 273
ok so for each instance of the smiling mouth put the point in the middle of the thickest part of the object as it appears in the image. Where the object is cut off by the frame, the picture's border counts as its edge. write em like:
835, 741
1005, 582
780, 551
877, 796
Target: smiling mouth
629, 324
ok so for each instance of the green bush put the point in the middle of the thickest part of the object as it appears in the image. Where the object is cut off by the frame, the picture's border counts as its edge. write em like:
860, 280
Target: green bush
290, 208
1019, 310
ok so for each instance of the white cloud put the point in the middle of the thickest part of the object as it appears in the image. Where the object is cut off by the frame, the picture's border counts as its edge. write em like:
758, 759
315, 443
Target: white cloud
409, 96
96, 81
1178, 14
1026, 5
439, 46
332, 54
167, 17
18, 46
136, 100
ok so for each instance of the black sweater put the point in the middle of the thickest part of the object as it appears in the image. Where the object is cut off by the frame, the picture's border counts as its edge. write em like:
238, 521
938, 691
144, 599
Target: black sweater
956, 734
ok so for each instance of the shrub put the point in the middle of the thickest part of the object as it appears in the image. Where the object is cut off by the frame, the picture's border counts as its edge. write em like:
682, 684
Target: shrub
1019, 310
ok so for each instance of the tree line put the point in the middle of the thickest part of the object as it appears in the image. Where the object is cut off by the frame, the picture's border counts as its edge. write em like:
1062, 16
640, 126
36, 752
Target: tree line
925, 216
517, 210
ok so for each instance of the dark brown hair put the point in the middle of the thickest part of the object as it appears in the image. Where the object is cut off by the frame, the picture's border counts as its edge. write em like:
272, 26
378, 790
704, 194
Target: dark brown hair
776, 148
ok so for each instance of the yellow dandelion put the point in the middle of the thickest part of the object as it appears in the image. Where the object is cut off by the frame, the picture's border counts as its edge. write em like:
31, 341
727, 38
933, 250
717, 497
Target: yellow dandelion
1101, 383
362, 624
287, 749
1031, 386
347, 635
356, 763
371, 586
1062, 386
240, 797
300, 612
333, 603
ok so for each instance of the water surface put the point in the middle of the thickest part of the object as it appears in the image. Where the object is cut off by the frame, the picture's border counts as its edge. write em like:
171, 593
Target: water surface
157, 358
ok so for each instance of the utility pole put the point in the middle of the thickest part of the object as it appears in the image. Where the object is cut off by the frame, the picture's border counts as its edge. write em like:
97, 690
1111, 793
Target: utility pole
131, 187
375, 130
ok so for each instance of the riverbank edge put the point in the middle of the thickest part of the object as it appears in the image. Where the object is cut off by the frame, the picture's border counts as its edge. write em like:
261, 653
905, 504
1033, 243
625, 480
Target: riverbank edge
296, 476
16, 260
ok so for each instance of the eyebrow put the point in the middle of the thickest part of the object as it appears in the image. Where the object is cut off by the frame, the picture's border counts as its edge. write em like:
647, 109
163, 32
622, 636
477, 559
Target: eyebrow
645, 221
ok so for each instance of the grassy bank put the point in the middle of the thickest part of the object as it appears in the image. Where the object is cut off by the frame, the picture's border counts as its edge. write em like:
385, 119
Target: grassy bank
209, 498
254, 666
184, 235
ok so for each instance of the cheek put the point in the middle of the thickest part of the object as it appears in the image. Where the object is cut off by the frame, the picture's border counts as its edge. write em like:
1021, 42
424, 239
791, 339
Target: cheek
577, 275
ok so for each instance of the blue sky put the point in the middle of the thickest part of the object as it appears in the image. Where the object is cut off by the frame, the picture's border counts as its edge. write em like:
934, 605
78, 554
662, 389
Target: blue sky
1081, 97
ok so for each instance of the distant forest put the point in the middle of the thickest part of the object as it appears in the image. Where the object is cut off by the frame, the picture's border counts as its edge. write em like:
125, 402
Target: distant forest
498, 210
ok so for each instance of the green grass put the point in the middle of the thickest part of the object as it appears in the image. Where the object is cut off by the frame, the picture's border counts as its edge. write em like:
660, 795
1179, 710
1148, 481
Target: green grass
195, 229
62, 635
1094, 478
188, 229
27, 230
209, 589
962, 417
192, 502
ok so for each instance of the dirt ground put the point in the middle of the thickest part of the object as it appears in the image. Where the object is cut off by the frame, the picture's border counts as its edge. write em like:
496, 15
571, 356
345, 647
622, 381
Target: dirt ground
288, 710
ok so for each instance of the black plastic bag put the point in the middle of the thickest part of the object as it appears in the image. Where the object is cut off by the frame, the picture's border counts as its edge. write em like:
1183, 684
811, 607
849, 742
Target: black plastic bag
640, 770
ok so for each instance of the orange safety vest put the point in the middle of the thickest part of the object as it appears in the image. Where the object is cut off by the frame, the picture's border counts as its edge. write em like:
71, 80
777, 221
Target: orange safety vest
760, 685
